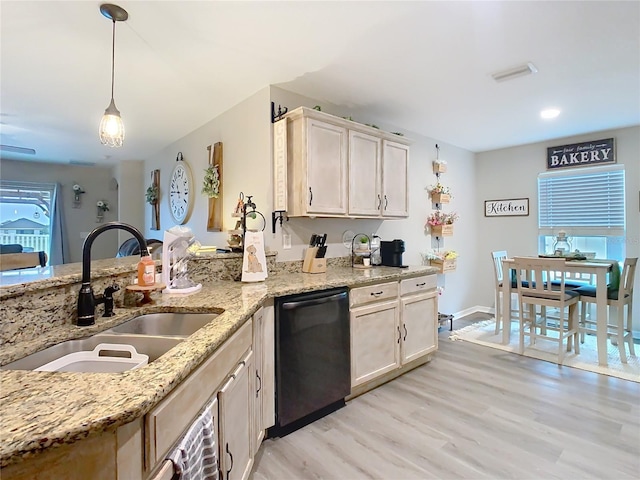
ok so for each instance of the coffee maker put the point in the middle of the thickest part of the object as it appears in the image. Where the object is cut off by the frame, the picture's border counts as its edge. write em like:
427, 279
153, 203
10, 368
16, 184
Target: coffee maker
392, 253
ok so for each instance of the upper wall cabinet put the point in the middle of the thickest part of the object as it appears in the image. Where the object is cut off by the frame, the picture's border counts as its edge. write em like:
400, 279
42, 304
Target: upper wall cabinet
340, 168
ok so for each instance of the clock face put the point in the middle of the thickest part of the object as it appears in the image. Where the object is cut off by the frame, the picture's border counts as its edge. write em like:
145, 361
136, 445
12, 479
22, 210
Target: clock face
180, 192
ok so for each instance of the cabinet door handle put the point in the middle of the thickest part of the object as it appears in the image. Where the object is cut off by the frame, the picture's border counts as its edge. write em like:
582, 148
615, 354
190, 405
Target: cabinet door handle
310, 196
375, 294
386, 202
379, 202
421, 284
231, 466
405, 332
399, 334
259, 384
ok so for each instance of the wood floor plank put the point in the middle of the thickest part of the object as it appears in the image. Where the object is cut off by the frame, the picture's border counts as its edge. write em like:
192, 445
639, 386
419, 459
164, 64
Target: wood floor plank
473, 412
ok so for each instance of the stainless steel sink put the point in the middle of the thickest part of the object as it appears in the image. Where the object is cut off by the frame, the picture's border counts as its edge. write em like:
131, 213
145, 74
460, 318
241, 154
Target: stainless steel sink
169, 324
153, 346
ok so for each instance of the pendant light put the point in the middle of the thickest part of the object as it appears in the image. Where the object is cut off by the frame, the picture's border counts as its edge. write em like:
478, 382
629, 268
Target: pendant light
111, 126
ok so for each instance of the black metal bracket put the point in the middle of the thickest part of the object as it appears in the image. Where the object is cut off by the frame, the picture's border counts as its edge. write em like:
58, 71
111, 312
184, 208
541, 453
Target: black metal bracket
275, 116
278, 215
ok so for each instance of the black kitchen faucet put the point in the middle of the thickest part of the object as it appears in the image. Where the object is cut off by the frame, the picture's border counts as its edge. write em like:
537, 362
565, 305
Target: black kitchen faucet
87, 301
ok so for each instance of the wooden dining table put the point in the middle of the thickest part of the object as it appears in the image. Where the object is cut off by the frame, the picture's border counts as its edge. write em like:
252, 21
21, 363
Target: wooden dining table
598, 269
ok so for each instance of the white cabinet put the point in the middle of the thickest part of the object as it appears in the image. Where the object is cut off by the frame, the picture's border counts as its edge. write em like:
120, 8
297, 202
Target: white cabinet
340, 168
419, 326
374, 337
395, 175
316, 168
393, 329
365, 174
236, 400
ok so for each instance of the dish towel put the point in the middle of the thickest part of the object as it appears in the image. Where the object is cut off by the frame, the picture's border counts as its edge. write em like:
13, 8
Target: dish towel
195, 457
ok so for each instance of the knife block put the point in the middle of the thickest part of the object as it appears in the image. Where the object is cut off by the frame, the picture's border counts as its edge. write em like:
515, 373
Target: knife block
311, 264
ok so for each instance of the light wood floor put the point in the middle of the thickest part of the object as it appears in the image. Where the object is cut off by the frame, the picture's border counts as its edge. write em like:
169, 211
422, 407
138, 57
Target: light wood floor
472, 412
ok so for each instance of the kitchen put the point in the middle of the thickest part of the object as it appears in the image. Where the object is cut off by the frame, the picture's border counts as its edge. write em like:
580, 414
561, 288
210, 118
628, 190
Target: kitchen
477, 177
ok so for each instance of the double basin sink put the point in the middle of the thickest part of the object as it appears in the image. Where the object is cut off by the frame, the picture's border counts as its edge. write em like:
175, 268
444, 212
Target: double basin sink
151, 334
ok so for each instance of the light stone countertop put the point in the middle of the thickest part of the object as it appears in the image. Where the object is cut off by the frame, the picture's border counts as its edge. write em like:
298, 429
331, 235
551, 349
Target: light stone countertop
39, 410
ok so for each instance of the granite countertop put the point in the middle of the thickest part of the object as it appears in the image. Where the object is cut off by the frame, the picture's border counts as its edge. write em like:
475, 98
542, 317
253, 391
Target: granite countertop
43, 409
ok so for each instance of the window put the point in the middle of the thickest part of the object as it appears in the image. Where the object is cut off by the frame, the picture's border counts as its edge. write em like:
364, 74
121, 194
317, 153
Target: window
25, 215
588, 204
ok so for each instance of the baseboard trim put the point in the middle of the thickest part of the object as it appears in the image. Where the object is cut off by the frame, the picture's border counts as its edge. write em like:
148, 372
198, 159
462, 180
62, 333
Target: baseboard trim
474, 309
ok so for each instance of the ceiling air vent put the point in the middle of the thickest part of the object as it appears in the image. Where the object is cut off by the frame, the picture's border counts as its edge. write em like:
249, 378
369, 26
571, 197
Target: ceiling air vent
519, 71
12, 149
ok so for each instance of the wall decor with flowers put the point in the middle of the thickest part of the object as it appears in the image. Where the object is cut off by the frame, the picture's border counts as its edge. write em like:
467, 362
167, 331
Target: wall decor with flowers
152, 197
212, 187
77, 191
101, 207
440, 223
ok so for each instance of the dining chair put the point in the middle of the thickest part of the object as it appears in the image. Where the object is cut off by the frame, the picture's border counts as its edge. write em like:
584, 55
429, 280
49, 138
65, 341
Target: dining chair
535, 289
497, 258
618, 297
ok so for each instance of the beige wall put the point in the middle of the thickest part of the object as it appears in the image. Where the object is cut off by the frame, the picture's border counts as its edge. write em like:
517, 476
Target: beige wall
458, 292
131, 195
245, 135
513, 172
98, 183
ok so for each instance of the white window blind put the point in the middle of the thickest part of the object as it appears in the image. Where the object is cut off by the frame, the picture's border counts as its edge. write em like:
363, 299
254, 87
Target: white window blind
582, 202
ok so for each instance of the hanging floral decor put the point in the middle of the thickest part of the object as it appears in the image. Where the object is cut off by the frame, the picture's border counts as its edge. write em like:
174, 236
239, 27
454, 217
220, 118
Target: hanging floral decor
152, 194
211, 184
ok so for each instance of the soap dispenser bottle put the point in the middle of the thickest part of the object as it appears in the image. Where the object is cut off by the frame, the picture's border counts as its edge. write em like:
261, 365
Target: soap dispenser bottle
146, 272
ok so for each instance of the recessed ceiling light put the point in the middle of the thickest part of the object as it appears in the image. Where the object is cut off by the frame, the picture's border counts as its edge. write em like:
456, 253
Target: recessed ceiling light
549, 113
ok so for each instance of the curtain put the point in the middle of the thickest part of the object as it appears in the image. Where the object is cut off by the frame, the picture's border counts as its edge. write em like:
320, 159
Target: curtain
59, 245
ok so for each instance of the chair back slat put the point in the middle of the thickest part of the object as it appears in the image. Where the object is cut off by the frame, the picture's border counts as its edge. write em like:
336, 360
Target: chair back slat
498, 257
627, 277
534, 277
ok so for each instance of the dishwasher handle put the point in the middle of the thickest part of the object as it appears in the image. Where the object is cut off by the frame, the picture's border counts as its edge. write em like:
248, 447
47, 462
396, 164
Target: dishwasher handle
313, 301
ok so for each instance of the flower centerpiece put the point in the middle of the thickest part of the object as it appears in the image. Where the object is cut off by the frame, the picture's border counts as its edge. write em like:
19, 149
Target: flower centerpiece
441, 223
445, 261
211, 184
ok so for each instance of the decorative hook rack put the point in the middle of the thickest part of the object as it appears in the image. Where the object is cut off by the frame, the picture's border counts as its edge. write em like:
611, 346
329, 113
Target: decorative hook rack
278, 215
275, 116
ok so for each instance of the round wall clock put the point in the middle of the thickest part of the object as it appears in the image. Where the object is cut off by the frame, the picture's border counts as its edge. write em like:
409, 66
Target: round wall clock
180, 196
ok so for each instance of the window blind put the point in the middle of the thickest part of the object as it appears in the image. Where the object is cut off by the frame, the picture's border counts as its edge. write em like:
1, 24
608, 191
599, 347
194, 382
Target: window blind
588, 202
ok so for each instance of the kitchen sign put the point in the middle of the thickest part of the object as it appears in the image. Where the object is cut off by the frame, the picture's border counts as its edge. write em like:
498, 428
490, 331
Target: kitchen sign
581, 154
512, 207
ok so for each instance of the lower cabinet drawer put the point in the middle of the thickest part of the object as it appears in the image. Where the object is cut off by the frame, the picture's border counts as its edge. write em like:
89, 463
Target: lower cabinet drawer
373, 293
418, 284
167, 421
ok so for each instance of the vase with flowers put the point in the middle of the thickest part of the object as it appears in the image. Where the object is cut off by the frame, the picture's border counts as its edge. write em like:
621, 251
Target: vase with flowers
101, 207
439, 193
441, 223
444, 261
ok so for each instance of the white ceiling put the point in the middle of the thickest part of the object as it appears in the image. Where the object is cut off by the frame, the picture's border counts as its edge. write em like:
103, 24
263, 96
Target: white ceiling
424, 67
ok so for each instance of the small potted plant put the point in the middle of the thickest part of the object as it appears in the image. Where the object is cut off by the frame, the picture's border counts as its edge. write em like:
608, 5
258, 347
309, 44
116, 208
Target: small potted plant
439, 193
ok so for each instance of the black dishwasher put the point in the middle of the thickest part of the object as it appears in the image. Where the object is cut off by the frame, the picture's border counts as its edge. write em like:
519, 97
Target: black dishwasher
313, 366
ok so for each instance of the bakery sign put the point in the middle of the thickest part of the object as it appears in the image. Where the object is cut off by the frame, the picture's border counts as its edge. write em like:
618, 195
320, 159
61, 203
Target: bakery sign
581, 154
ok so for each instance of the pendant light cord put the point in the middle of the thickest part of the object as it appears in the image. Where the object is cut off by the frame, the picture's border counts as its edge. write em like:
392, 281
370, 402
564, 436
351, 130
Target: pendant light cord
113, 55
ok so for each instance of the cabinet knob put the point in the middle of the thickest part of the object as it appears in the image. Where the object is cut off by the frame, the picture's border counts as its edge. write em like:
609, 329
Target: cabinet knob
404, 325
231, 457
421, 284
379, 202
399, 334
375, 294
310, 196
386, 202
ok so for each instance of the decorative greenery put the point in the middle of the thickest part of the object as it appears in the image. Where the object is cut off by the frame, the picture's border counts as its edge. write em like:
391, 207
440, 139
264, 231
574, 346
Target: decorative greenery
153, 192
102, 205
438, 218
211, 184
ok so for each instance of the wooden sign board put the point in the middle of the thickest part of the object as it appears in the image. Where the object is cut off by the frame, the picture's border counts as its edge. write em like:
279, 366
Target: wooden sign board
511, 207
584, 154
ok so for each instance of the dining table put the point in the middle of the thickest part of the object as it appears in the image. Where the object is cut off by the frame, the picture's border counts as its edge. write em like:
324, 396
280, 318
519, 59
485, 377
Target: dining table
598, 268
